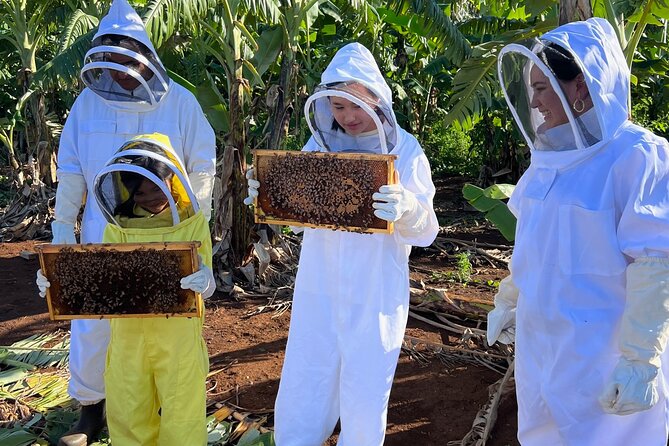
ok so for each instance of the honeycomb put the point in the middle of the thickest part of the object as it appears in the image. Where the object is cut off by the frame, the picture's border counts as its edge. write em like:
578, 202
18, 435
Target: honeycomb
101, 282
321, 189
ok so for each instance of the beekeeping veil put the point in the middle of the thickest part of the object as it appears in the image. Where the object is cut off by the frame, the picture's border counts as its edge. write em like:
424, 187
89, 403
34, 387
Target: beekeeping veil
111, 184
353, 75
119, 33
534, 78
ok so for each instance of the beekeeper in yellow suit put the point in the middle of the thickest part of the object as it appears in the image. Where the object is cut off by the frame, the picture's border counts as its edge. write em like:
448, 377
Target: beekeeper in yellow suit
156, 367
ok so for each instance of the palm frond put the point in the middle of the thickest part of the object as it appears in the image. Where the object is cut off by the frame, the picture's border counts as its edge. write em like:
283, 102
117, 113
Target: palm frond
40, 391
78, 24
17, 436
267, 10
163, 17
33, 350
67, 64
473, 86
487, 26
439, 27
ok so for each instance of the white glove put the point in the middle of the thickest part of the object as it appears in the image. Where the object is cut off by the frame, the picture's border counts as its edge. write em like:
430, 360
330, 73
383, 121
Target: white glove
393, 201
253, 186
42, 283
502, 319
296, 229
63, 233
69, 197
633, 385
203, 186
201, 281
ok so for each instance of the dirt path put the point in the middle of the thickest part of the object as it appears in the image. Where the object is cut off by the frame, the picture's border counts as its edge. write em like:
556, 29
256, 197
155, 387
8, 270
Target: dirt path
430, 404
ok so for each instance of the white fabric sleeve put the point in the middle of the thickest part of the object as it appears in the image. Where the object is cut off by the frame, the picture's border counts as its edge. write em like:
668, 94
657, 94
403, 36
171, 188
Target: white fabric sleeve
203, 187
502, 318
634, 385
422, 227
645, 325
199, 146
69, 197
68, 160
641, 182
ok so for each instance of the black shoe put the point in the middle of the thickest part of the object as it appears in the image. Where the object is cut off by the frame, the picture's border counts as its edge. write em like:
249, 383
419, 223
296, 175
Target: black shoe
89, 426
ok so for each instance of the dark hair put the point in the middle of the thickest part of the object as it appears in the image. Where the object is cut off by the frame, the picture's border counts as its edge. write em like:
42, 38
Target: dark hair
560, 61
125, 42
132, 180
337, 127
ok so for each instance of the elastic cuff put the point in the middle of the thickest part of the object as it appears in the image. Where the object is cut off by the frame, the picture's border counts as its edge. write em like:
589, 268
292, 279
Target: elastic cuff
90, 403
660, 261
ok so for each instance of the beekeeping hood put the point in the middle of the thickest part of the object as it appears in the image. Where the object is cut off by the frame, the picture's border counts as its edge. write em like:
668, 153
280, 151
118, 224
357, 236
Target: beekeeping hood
353, 64
111, 191
122, 20
595, 48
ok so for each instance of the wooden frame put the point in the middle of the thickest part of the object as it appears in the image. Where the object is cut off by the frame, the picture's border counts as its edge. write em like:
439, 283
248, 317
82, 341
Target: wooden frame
266, 213
188, 264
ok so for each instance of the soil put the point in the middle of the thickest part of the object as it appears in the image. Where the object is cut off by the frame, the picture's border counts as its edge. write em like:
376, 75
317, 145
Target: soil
431, 402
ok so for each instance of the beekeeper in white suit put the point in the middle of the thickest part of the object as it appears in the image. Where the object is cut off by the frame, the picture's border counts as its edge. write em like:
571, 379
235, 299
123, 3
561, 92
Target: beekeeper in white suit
128, 93
589, 291
351, 298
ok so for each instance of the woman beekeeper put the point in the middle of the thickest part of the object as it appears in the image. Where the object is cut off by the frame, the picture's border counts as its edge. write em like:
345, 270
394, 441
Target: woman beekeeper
351, 298
588, 296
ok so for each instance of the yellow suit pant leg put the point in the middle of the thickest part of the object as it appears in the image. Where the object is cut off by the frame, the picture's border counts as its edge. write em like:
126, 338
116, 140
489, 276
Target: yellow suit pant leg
132, 400
181, 365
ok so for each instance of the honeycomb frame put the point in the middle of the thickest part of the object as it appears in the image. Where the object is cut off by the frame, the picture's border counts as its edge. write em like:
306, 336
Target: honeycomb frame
188, 260
360, 175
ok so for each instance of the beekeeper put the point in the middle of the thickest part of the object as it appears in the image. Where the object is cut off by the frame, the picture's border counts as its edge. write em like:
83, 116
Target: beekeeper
351, 298
588, 296
155, 362
128, 93
156, 367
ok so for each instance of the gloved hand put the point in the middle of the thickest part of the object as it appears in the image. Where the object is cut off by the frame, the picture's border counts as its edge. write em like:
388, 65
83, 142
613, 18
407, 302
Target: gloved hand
296, 229
393, 201
42, 283
253, 186
633, 385
201, 281
203, 186
63, 233
631, 388
502, 319
69, 197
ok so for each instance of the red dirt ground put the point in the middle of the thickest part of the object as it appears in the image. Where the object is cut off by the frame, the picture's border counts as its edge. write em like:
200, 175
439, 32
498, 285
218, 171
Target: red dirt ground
429, 404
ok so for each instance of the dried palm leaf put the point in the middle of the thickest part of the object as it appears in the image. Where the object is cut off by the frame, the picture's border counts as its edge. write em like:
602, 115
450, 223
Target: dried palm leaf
486, 417
33, 350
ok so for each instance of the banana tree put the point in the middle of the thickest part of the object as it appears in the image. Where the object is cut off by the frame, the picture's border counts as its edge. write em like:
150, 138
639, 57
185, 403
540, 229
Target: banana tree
224, 40
21, 22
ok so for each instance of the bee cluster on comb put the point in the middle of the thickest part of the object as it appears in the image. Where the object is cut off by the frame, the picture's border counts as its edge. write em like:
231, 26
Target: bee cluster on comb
118, 280
317, 189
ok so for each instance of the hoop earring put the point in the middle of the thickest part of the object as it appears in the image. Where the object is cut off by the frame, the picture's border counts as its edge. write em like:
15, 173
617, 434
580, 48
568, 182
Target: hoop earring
580, 107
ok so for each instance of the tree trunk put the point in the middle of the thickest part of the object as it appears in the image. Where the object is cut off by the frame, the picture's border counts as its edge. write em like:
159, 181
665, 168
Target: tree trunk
282, 103
241, 219
574, 10
233, 220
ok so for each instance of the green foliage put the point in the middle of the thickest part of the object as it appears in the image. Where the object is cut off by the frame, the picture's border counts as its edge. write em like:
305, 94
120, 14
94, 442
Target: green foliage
17, 436
462, 274
449, 151
489, 201
464, 267
501, 151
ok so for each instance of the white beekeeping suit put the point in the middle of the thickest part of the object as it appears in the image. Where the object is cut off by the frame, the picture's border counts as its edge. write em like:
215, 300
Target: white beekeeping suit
590, 270
103, 117
351, 298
